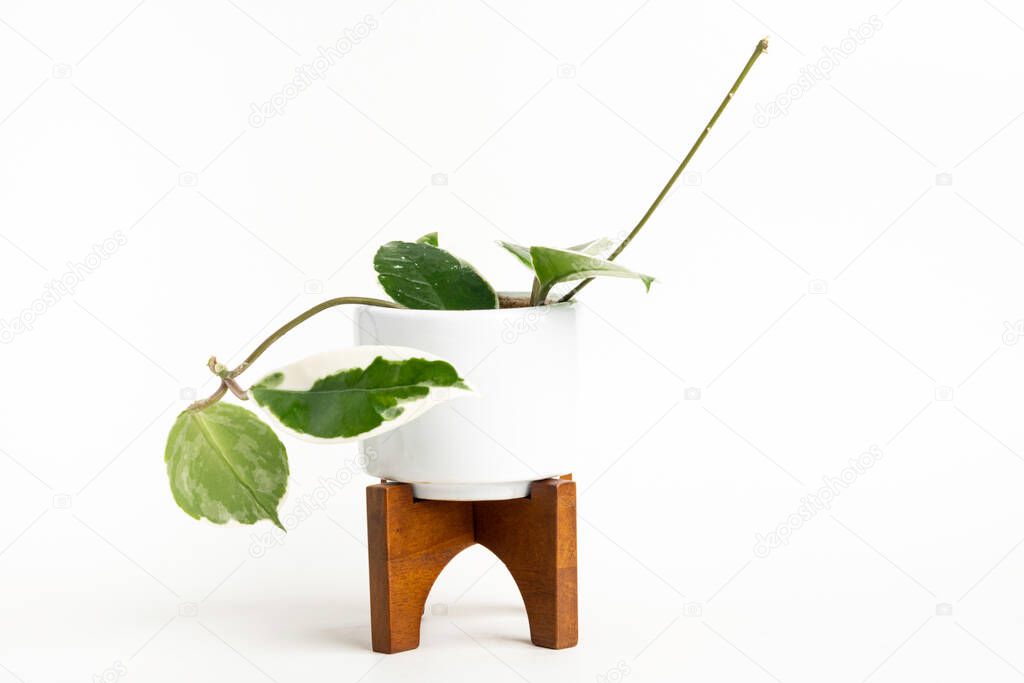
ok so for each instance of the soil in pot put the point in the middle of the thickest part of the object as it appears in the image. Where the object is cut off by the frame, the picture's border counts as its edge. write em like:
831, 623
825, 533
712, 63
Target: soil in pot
513, 301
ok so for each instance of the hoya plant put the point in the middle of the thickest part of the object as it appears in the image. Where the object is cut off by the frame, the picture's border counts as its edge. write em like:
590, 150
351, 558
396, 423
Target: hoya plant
225, 463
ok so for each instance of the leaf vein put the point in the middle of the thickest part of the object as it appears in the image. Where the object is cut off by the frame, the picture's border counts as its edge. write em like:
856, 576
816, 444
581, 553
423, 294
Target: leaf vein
200, 421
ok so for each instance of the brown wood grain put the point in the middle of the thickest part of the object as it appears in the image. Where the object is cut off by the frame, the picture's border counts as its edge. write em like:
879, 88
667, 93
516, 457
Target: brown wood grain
410, 541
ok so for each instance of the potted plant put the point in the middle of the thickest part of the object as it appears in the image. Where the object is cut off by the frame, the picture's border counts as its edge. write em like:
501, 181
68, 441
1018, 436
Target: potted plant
224, 463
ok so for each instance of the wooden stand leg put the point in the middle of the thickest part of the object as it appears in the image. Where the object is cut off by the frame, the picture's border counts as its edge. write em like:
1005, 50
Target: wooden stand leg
409, 544
411, 541
536, 539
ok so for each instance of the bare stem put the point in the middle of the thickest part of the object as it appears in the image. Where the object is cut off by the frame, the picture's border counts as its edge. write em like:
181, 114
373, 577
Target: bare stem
227, 378
535, 293
761, 47
303, 317
211, 399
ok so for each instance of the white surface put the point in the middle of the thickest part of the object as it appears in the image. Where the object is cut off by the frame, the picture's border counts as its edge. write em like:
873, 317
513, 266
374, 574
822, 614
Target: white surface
819, 289
522, 362
499, 490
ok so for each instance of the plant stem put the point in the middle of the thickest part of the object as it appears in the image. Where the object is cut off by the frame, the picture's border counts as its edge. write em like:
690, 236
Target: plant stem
761, 47
535, 294
227, 379
211, 399
303, 317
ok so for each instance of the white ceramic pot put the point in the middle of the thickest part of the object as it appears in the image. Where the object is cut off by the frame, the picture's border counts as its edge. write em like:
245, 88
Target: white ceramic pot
519, 427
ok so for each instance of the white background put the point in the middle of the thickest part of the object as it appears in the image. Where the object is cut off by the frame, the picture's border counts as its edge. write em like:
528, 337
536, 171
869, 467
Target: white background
825, 286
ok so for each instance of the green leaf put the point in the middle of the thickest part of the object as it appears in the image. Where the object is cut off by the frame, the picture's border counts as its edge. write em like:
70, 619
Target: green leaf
520, 252
419, 275
225, 463
599, 247
430, 238
553, 266
357, 392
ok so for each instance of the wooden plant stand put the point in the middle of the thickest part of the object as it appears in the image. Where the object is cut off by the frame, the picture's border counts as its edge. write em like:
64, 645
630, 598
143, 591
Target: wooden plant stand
410, 541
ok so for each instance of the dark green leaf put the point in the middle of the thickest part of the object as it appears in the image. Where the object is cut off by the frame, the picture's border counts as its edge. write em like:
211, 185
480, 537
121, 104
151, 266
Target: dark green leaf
224, 463
419, 275
430, 238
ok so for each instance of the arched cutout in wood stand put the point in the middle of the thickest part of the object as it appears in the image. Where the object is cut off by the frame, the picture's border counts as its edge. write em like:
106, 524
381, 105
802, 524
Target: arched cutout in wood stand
410, 541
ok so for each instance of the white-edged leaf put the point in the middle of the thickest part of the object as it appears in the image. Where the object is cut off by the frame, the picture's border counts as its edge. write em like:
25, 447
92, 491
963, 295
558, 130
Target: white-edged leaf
520, 252
356, 392
600, 247
553, 266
